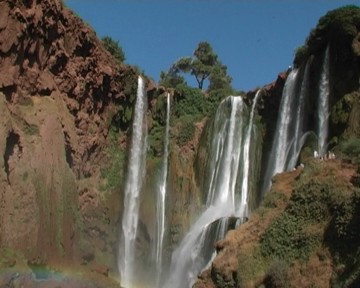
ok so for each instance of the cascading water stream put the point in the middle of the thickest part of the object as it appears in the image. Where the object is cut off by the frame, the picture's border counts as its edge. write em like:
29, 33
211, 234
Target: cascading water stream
226, 147
280, 146
133, 184
243, 210
323, 104
225, 154
298, 139
161, 196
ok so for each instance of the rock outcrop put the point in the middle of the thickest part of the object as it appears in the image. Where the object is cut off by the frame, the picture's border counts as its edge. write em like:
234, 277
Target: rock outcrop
60, 92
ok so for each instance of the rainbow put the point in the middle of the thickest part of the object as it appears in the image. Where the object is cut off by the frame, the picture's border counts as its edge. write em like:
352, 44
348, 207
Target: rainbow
51, 277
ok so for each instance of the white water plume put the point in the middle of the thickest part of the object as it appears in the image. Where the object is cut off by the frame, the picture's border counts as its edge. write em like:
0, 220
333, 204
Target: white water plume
133, 184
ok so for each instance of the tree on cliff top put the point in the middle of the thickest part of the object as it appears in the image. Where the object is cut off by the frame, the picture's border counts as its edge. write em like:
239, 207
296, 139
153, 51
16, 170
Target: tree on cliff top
114, 48
204, 64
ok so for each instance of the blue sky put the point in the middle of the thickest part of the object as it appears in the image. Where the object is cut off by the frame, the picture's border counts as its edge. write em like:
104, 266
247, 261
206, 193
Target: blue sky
254, 39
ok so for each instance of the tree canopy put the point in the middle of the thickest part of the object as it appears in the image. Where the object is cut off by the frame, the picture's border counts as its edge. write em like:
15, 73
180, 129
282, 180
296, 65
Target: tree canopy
114, 48
203, 64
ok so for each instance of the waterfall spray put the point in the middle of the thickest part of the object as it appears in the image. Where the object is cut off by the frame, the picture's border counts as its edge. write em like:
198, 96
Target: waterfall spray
246, 161
323, 104
280, 146
133, 184
160, 205
298, 139
223, 183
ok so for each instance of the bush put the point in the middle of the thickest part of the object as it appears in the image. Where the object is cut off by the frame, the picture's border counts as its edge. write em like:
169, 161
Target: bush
113, 171
189, 101
156, 139
337, 25
114, 48
277, 275
285, 239
341, 110
309, 202
186, 131
273, 199
351, 148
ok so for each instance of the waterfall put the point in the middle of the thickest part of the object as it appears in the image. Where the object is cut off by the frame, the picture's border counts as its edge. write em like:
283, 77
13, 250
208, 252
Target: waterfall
281, 142
246, 161
133, 183
323, 104
225, 154
298, 139
160, 204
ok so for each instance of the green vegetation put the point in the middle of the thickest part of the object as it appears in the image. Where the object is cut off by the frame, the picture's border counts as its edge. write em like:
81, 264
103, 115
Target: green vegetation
321, 215
341, 110
342, 21
273, 199
338, 26
251, 264
351, 148
186, 131
203, 65
191, 105
277, 275
31, 129
342, 237
190, 102
287, 240
120, 119
9, 257
114, 48
289, 237
113, 171
156, 139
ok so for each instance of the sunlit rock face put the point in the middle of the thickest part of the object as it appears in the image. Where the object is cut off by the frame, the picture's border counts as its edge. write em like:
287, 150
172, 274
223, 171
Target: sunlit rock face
59, 92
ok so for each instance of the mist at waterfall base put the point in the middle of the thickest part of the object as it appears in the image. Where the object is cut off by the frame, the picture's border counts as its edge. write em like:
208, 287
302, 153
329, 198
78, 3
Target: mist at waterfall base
232, 177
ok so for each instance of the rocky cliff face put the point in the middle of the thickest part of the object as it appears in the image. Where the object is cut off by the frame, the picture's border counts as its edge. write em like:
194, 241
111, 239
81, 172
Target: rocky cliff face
60, 92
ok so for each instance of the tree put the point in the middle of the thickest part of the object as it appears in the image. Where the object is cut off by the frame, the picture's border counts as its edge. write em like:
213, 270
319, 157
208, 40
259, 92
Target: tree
170, 79
114, 48
203, 64
219, 79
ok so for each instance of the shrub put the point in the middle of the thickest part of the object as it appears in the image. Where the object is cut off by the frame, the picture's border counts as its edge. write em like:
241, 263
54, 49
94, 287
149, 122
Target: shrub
113, 171
309, 202
273, 199
190, 101
351, 147
277, 275
186, 131
156, 139
114, 48
336, 25
341, 110
285, 239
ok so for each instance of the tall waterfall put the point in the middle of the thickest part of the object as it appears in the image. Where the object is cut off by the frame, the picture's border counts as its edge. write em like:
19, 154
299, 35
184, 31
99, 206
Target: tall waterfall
133, 184
298, 138
225, 151
226, 156
280, 146
246, 161
323, 105
160, 204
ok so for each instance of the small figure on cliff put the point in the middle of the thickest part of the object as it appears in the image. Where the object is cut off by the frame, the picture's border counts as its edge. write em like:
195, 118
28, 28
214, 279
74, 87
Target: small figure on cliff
316, 154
